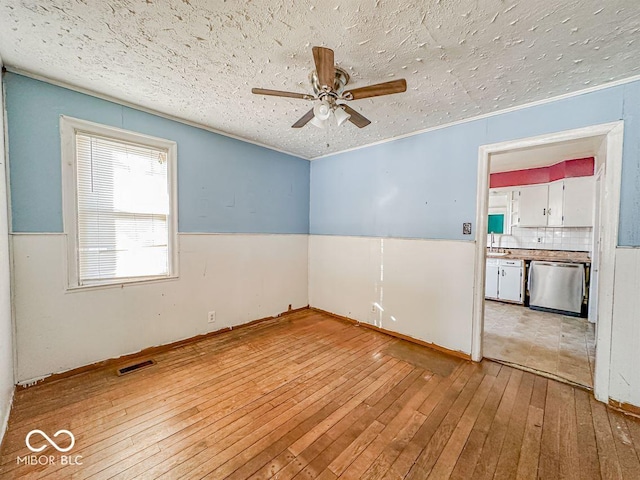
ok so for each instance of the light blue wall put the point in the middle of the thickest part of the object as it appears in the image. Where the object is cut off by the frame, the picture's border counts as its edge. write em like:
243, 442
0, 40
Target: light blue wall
630, 202
398, 189
224, 185
424, 186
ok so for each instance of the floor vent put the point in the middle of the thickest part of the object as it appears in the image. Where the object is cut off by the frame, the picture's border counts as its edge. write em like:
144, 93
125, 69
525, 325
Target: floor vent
135, 367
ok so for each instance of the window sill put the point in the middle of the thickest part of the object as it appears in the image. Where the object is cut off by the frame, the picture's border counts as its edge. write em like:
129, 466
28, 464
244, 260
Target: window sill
120, 284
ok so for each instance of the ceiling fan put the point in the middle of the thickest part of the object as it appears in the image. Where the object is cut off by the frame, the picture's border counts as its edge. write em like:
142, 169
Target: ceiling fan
328, 83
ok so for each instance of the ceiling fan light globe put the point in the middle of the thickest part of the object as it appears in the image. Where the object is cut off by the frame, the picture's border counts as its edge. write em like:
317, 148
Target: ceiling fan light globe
341, 116
316, 122
322, 111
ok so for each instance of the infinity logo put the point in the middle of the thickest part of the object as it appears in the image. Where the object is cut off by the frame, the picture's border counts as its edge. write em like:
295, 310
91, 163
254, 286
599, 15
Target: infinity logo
51, 442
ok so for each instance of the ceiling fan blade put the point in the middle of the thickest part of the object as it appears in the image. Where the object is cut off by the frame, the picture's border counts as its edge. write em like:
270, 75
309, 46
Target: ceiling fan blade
304, 120
280, 93
357, 119
325, 66
386, 88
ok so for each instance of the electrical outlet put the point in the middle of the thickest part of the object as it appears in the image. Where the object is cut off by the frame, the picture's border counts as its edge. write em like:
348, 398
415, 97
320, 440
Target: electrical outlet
539, 239
212, 317
373, 308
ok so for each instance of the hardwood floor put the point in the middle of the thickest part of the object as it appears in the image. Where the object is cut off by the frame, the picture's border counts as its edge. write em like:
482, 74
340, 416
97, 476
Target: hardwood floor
308, 396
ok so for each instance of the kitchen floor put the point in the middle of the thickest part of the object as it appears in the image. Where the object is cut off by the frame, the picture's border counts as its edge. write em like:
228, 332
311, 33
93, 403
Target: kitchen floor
548, 342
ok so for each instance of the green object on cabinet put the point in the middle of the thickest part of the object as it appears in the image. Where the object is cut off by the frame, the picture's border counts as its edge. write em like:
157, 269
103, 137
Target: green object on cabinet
496, 223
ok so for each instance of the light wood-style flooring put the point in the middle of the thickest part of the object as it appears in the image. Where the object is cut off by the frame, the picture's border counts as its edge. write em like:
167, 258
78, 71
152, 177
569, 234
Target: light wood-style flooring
558, 344
308, 396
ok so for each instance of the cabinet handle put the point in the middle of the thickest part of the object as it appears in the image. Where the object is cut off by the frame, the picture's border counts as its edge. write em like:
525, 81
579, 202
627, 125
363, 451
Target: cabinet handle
548, 211
503, 272
544, 211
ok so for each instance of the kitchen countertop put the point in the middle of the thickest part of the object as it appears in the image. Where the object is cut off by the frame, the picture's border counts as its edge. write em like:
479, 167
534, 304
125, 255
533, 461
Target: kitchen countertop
542, 255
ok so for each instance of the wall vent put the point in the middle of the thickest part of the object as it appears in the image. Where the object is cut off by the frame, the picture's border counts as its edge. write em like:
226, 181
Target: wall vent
135, 367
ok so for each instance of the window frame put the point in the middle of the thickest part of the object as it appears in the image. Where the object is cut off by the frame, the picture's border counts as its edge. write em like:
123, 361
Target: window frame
69, 127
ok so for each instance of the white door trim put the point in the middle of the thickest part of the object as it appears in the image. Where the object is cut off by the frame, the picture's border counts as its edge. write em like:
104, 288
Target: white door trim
610, 208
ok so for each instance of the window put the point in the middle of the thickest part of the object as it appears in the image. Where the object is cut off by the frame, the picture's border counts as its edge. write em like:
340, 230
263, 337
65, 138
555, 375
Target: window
119, 203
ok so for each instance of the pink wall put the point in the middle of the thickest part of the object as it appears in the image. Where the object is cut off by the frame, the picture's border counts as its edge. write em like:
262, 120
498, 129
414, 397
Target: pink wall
580, 167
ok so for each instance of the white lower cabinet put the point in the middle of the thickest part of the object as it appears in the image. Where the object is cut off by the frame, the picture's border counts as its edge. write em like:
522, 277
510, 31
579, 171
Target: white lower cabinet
504, 280
491, 279
510, 281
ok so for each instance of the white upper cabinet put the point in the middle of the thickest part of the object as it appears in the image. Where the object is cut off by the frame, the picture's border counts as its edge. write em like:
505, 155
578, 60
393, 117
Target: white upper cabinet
565, 203
555, 206
579, 199
532, 206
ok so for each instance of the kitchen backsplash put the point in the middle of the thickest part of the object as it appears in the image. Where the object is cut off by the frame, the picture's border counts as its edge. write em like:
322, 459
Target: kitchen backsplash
550, 238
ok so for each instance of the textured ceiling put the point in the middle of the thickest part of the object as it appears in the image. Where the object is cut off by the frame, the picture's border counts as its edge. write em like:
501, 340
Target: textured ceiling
198, 60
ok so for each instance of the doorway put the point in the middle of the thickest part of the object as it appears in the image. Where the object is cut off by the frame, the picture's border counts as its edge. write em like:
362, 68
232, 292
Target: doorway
604, 144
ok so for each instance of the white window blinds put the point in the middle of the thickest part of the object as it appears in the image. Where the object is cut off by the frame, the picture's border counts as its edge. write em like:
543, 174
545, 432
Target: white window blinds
123, 210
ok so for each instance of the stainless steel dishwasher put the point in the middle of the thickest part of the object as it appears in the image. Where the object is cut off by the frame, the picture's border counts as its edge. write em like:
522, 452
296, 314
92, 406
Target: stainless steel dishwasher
556, 286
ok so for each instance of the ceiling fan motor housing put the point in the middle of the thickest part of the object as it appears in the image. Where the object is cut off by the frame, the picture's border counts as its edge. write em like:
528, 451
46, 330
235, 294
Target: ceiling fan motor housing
340, 81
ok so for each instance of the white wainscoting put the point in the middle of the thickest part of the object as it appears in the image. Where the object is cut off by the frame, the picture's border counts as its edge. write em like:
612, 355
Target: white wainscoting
6, 328
241, 277
424, 287
624, 383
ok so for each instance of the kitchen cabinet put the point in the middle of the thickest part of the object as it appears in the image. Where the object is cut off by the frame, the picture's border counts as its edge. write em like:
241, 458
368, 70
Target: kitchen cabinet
564, 203
504, 280
579, 200
491, 279
532, 206
555, 204
510, 281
